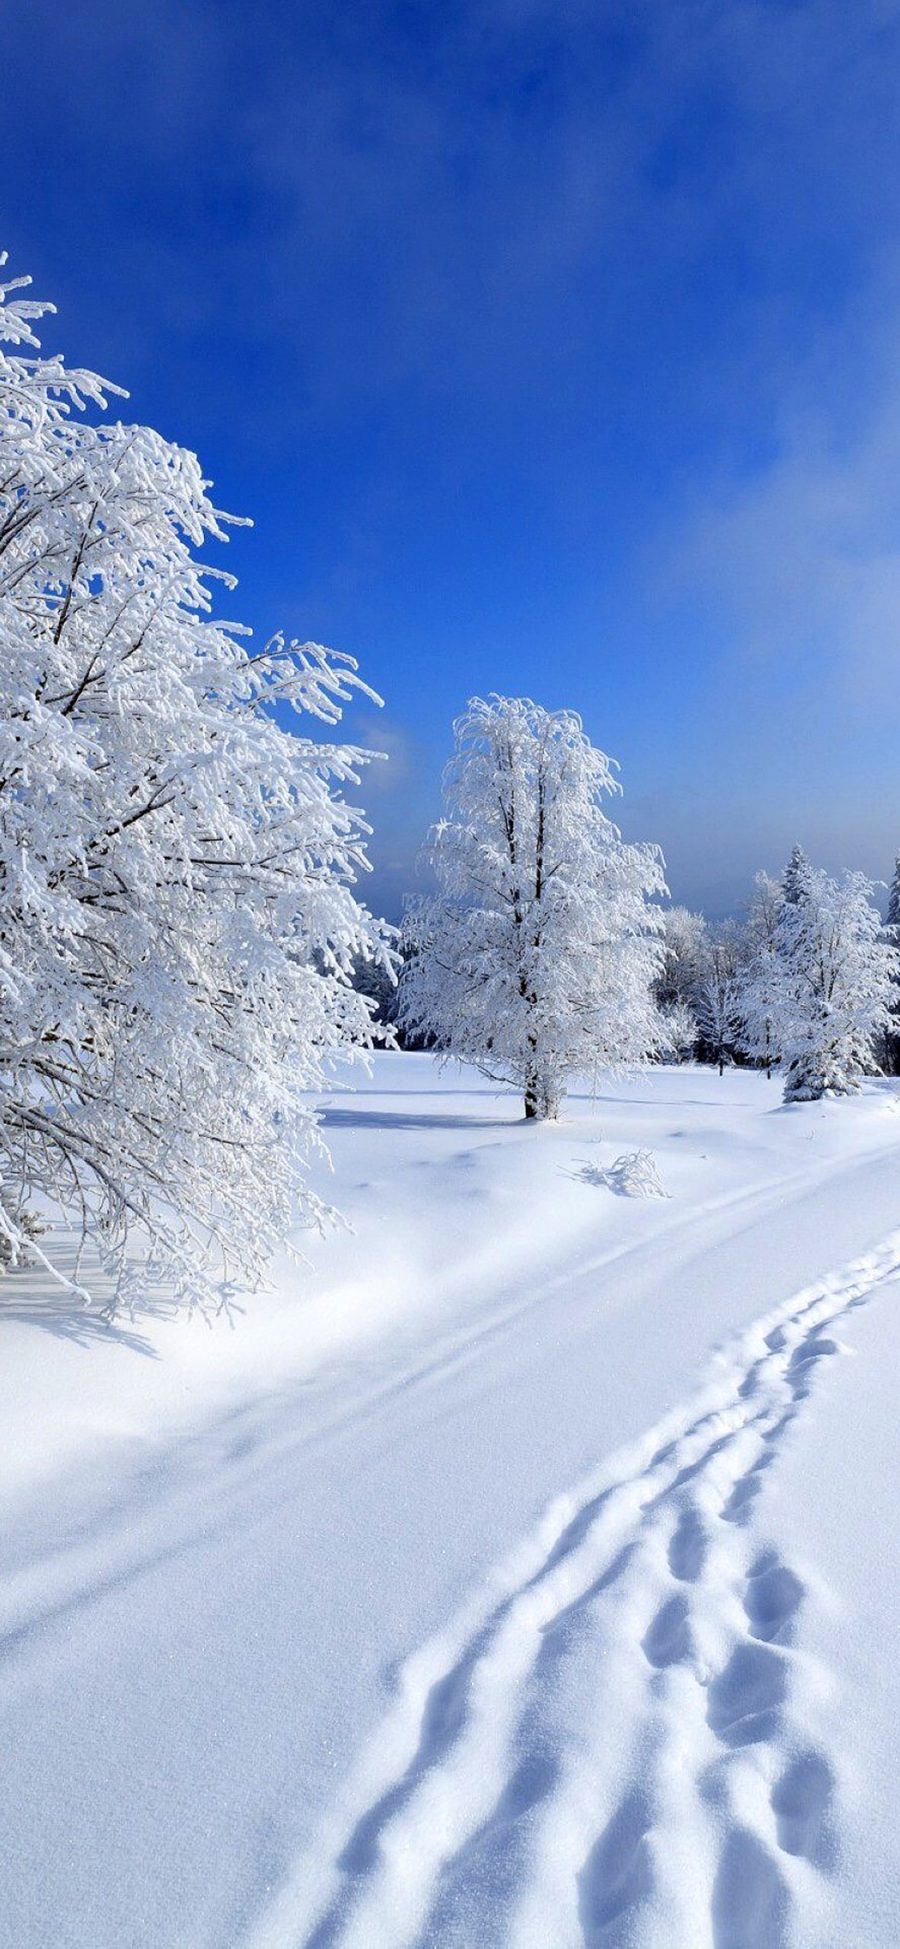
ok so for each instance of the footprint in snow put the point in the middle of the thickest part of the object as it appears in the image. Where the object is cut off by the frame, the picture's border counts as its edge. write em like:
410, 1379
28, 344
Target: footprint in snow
801, 1803
618, 1874
772, 1597
688, 1546
750, 1902
668, 1640
745, 1700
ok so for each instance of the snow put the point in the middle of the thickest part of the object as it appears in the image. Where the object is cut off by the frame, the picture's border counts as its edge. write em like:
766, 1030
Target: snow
523, 1572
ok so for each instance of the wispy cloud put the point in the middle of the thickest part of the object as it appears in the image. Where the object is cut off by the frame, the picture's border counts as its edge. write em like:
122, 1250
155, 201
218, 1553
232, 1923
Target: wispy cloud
796, 558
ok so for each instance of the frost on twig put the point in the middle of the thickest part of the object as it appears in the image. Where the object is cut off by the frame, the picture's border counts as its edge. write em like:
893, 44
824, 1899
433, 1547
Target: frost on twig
633, 1175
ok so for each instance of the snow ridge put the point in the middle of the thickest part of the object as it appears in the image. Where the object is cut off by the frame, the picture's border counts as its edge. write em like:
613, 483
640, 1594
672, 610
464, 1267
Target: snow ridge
616, 1742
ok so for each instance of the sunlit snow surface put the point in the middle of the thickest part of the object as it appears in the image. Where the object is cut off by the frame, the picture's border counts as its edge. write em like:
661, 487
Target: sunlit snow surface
523, 1573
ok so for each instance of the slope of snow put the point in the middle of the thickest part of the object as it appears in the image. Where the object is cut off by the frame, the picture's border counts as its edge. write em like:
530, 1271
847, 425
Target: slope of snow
520, 1573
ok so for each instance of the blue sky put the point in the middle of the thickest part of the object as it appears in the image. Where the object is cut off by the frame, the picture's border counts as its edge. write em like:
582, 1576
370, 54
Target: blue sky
553, 349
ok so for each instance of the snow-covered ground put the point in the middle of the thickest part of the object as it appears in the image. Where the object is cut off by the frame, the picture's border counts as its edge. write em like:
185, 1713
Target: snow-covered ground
522, 1573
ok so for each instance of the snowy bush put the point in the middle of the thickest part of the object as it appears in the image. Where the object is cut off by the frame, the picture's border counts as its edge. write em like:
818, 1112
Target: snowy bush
178, 923
635, 1175
536, 957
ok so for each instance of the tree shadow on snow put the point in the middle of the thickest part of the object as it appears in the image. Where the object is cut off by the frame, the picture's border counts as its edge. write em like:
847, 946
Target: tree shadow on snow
67, 1318
363, 1119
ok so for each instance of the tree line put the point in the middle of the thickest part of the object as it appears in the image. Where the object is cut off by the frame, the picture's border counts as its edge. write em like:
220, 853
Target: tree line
545, 951
805, 981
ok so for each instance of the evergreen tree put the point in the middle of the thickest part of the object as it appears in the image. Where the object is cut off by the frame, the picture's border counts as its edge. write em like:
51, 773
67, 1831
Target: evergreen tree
890, 1053
892, 918
795, 879
717, 997
833, 977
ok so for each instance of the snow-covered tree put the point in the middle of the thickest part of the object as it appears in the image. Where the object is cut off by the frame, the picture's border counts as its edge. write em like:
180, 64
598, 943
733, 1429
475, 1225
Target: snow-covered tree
796, 876
760, 973
683, 969
717, 1002
892, 917
373, 975
684, 947
681, 1030
535, 959
833, 975
177, 924
890, 1042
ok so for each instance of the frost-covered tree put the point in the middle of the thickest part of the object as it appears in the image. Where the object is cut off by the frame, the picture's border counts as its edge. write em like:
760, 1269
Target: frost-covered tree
177, 922
684, 967
834, 971
684, 949
717, 1002
795, 879
892, 917
760, 972
681, 1030
374, 976
535, 959
890, 1045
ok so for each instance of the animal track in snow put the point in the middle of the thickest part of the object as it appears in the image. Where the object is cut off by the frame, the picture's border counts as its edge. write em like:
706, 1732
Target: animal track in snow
620, 1699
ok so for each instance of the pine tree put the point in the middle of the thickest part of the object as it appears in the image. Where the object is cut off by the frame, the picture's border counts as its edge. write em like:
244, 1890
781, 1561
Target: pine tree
892, 918
717, 1002
834, 975
536, 957
890, 1051
795, 879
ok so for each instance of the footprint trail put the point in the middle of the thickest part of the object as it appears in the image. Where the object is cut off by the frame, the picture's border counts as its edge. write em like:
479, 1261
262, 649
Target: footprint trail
615, 1742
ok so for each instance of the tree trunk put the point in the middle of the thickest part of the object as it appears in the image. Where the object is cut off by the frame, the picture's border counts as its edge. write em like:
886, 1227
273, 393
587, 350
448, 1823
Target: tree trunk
549, 1102
542, 1099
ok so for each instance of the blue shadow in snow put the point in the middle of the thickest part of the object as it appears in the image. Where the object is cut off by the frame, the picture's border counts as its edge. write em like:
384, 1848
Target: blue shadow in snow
362, 1119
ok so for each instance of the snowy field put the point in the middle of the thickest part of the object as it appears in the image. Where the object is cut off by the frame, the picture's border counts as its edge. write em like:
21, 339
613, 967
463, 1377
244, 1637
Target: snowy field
524, 1572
